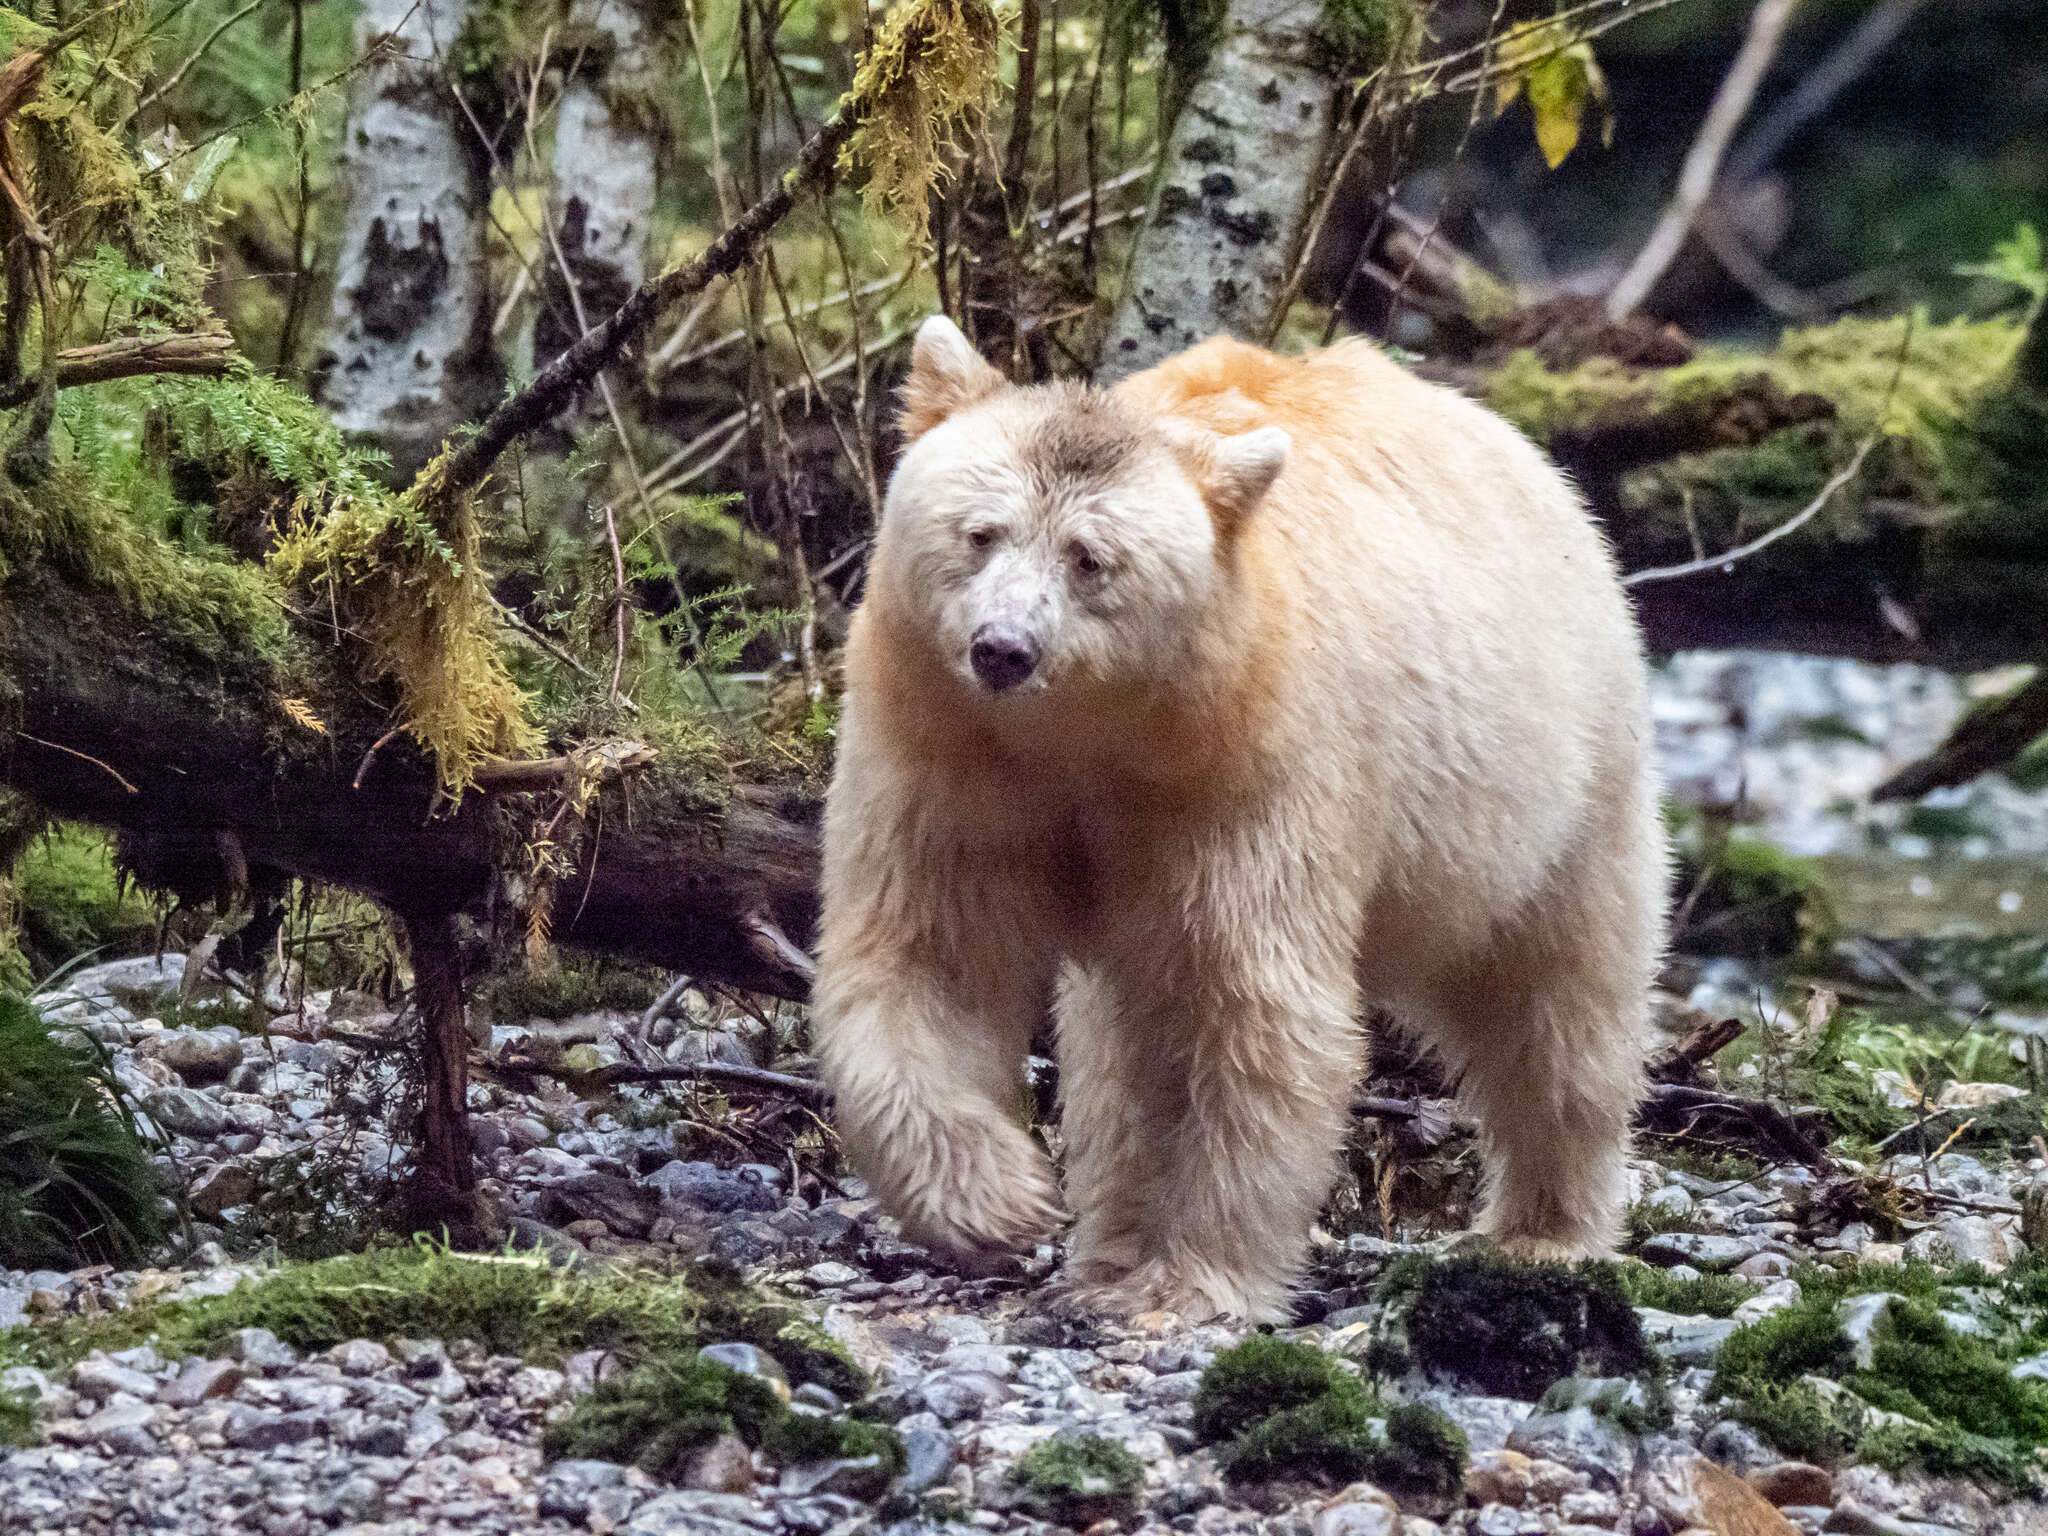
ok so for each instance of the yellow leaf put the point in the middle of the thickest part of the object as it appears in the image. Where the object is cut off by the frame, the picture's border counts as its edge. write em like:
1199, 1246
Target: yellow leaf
1561, 88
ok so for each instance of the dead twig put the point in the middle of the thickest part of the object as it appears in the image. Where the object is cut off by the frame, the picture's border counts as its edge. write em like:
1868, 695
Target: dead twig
195, 356
82, 756
1703, 161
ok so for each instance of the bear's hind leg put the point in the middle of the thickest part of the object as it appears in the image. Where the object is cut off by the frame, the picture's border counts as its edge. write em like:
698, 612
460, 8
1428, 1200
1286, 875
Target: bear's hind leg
1545, 1034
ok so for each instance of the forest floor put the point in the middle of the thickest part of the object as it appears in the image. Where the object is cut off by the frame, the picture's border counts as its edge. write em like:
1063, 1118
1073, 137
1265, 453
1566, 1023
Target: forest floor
1830, 1318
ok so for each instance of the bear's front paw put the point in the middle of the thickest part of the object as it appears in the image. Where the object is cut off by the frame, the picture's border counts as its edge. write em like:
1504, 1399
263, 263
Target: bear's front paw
1195, 1292
978, 1193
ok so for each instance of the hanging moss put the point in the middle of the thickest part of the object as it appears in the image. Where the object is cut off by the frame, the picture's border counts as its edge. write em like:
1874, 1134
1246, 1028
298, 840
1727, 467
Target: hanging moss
409, 573
929, 75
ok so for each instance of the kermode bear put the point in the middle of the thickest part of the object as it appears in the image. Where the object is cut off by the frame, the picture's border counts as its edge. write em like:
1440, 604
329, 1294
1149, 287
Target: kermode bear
1209, 710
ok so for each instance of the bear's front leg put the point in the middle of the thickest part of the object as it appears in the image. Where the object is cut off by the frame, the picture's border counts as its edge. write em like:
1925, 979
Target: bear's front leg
935, 965
1239, 1050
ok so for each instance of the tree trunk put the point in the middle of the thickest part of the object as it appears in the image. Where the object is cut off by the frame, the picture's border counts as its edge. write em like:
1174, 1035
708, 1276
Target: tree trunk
601, 198
443, 1193
407, 356
1237, 183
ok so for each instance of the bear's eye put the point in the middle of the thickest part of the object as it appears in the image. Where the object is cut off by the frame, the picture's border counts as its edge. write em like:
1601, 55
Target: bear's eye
1086, 561
981, 538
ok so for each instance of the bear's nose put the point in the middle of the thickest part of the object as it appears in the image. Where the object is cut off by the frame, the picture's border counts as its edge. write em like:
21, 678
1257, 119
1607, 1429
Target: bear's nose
1003, 656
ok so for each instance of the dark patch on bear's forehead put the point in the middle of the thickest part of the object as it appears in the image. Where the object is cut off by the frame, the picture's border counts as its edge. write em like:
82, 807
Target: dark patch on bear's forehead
1082, 438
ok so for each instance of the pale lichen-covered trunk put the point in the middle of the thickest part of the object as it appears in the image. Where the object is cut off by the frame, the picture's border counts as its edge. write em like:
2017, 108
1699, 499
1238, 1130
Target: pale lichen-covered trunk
407, 355
1234, 192
601, 198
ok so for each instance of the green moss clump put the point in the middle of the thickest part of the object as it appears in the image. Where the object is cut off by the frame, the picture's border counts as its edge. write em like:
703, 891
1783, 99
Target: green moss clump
1356, 37
1802, 1340
1425, 1452
659, 1412
76, 1185
1285, 1409
1077, 1479
1329, 1440
1745, 895
1932, 453
1704, 1296
1923, 1368
511, 1303
1512, 1329
573, 984
795, 1438
70, 899
1964, 1413
1946, 1451
1261, 1377
1799, 1423
17, 1419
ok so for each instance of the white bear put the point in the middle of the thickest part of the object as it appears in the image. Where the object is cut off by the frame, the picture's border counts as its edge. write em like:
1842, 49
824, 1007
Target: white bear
1210, 710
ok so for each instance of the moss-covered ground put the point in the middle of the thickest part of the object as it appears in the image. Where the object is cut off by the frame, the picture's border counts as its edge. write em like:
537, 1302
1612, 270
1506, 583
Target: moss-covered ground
1277, 1408
1078, 1479
659, 1413
1932, 1385
511, 1303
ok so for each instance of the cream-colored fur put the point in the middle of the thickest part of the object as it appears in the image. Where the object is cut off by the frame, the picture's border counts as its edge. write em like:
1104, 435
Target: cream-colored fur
1335, 700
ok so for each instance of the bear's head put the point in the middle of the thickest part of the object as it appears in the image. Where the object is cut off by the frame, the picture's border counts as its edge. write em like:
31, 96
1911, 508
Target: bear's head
1055, 537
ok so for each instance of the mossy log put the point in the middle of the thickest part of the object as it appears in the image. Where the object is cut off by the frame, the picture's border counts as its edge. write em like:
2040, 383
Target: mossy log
1935, 552
181, 746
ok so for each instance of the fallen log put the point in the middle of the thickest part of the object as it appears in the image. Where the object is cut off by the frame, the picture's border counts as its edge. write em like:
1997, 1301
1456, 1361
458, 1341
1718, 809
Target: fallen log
173, 741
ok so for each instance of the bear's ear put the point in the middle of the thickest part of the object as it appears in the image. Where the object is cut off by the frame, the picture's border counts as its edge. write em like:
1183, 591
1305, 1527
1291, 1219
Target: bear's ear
946, 374
1232, 473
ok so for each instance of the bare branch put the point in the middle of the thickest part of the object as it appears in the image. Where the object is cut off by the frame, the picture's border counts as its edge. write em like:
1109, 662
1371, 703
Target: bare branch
1703, 160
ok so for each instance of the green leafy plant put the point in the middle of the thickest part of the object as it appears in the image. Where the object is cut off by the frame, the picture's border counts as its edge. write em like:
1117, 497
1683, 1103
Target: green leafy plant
76, 1185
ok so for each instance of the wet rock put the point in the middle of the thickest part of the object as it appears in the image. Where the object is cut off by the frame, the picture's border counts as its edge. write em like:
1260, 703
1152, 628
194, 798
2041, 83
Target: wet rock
1487, 1422
1498, 1477
748, 1360
707, 1187
1578, 1438
1985, 1240
359, 1357
1851, 1518
928, 1457
955, 1395
202, 1057
260, 1350
1709, 1251
1684, 1340
1360, 1510
1794, 1482
200, 1381
98, 1378
698, 1514
1859, 1317
536, 1386
1686, 1489
262, 1429
186, 1112
1775, 1297
723, 1466
222, 1188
